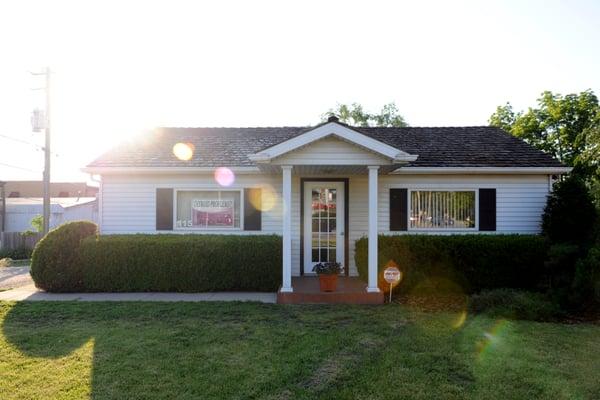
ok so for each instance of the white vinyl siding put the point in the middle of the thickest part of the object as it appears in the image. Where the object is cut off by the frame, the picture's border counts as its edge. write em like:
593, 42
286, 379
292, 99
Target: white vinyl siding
129, 203
520, 199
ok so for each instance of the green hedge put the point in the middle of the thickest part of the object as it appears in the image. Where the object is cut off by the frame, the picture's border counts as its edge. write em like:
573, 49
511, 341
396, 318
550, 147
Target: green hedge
22, 253
473, 262
56, 262
181, 263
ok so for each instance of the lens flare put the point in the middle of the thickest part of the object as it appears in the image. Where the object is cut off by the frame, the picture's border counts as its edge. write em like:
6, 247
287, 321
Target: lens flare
264, 199
492, 338
460, 320
183, 151
224, 176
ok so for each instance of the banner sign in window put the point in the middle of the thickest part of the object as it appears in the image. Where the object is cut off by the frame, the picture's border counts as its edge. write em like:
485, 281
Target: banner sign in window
212, 213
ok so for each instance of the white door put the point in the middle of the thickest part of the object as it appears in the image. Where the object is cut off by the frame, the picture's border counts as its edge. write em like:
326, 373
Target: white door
323, 223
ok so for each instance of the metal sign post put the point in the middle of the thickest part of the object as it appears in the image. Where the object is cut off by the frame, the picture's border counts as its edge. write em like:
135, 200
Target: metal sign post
392, 275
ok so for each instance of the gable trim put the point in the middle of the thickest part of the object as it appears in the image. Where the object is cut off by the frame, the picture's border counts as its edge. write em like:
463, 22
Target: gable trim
336, 130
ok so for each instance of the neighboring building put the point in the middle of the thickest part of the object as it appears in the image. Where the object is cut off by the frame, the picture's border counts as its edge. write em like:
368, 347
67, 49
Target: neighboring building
324, 187
20, 211
57, 189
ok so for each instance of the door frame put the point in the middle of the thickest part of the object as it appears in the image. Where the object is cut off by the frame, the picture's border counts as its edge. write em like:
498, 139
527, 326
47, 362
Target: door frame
346, 182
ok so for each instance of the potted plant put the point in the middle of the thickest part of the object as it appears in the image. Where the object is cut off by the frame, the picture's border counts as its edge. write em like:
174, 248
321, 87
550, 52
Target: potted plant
328, 273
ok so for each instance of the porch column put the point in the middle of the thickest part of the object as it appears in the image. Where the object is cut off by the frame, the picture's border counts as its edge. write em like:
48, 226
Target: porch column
287, 229
373, 176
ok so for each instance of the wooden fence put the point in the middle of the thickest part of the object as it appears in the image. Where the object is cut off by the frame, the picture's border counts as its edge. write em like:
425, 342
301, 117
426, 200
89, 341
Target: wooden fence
16, 240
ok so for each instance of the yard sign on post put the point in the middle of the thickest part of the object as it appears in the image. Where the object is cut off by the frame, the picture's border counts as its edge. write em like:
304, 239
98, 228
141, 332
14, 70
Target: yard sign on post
392, 275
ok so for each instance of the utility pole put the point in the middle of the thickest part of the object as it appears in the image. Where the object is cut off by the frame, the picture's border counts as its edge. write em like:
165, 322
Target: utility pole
37, 124
47, 158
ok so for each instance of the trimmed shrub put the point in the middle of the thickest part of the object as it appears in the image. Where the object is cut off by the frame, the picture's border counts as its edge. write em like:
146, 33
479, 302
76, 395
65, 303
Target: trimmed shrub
570, 213
181, 263
515, 304
16, 254
474, 262
55, 262
586, 284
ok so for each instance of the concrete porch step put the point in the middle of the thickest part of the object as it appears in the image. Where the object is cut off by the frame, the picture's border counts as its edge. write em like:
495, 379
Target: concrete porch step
350, 290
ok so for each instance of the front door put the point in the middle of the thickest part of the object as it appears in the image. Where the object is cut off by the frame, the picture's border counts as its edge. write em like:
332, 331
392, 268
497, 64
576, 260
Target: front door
324, 227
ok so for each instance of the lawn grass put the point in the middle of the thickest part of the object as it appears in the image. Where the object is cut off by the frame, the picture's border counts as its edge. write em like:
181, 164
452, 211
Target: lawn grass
241, 350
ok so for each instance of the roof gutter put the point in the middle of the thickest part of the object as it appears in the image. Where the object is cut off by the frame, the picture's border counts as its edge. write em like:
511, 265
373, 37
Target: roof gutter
164, 170
482, 170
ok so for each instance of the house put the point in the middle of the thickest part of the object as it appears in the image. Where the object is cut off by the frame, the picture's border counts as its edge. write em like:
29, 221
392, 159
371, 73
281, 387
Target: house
21, 210
57, 189
324, 187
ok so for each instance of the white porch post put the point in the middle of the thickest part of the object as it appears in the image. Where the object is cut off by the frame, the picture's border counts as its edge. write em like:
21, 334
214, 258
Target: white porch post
373, 176
287, 229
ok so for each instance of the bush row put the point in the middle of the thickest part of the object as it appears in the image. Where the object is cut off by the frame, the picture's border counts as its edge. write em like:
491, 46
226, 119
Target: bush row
22, 253
181, 263
473, 262
74, 258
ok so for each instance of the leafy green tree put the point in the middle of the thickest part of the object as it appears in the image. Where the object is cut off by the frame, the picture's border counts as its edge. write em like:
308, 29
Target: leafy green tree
37, 223
355, 115
567, 127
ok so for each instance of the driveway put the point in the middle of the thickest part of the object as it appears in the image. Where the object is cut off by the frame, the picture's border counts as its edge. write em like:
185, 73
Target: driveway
14, 277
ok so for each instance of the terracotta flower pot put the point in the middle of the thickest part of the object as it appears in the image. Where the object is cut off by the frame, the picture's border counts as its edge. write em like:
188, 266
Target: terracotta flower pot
328, 282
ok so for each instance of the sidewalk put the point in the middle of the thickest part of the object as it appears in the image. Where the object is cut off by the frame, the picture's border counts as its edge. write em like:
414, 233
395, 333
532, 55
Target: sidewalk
31, 293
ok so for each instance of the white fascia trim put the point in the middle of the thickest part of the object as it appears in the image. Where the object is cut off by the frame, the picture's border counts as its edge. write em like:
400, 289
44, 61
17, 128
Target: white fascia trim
482, 170
329, 129
165, 170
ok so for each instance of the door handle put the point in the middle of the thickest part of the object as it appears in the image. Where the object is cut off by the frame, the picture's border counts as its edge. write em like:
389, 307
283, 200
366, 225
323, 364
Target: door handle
341, 233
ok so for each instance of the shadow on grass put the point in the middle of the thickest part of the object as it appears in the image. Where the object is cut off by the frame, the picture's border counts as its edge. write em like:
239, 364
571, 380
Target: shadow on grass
240, 350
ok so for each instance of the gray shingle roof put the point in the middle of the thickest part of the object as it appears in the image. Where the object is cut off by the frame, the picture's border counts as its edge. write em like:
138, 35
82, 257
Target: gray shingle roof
477, 146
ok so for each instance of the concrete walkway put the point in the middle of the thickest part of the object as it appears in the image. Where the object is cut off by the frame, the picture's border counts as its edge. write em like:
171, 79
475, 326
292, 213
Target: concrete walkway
31, 293
14, 277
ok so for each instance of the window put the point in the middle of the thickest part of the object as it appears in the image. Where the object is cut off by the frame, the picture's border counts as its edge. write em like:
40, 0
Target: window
442, 209
208, 209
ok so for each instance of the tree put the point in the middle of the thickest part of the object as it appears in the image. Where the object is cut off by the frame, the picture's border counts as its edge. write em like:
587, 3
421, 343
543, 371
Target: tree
355, 115
569, 215
567, 127
37, 223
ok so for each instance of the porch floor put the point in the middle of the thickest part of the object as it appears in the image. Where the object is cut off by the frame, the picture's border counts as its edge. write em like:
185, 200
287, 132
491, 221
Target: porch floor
350, 290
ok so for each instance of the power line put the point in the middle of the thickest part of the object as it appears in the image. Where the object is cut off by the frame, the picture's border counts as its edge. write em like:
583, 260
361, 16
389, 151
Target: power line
22, 141
39, 147
17, 167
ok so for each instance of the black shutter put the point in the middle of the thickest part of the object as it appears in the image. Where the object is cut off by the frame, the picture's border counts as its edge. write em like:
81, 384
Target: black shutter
487, 209
398, 209
252, 209
164, 209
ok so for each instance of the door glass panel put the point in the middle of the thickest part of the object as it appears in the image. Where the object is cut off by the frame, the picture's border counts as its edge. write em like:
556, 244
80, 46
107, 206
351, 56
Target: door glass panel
332, 224
315, 255
324, 227
315, 240
332, 255
323, 224
323, 254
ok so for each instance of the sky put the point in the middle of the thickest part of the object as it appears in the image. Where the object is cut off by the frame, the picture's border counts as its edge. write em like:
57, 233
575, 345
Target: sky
121, 67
